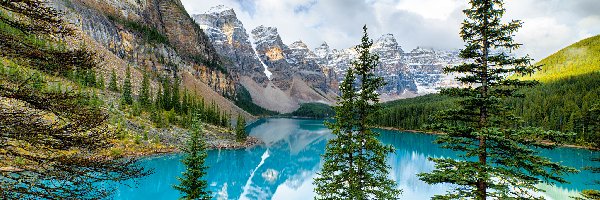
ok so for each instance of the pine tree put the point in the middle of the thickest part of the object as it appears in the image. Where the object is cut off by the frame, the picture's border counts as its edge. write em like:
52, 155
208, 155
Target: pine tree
90, 78
191, 183
224, 119
595, 116
100, 84
497, 156
355, 166
126, 97
175, 99
60, 157
158, 102
166, 99
185, 104
112, 86
144, 97
240, 129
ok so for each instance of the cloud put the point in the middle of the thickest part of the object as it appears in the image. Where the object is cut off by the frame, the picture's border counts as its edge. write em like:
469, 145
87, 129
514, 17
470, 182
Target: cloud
549, 24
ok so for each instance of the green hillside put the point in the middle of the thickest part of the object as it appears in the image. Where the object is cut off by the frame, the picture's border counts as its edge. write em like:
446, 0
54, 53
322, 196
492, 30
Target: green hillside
580, 58
567, 99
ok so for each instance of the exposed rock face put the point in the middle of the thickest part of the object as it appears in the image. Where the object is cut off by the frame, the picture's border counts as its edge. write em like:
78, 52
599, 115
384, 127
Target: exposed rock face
230, 39
278, 76
406, 74
272, 52
304, 63
155, 35
281, 76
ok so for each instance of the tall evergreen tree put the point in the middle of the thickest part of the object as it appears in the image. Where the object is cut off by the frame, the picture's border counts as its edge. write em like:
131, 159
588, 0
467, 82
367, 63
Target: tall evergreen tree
185, 103
594, 114
224, 120
113, 86
497, 156
126, 96
192, 184
100, 84
58, 157
176, 99
240, 129
144, 97
166, 99
355, 166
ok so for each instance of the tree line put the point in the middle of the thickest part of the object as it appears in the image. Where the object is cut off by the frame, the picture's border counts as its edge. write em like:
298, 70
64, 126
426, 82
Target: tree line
168, 104
565, 105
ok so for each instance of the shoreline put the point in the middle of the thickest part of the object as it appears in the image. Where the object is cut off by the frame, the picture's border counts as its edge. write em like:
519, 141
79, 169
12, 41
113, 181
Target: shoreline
210, 145
440, 133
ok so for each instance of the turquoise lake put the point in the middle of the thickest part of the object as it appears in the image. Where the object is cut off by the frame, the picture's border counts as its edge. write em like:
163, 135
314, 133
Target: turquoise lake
284, 167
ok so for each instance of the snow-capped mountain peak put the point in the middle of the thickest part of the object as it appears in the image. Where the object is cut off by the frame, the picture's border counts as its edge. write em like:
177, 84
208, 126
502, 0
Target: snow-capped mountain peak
221, 10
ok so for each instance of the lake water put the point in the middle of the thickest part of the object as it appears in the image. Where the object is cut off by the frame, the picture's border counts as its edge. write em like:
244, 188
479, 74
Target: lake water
284, 167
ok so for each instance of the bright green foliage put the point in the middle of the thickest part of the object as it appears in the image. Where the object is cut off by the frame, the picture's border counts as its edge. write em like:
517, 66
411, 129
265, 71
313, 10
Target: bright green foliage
126, 97
112, 86
240, 129
191, 183
580, 58
497, 159
355, 166
144, 97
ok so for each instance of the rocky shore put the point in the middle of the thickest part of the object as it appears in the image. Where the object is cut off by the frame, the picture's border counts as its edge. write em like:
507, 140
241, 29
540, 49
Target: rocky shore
228, 144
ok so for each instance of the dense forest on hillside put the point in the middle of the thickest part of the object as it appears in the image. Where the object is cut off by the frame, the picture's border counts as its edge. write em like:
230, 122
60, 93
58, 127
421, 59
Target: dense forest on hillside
313, 110
565, 105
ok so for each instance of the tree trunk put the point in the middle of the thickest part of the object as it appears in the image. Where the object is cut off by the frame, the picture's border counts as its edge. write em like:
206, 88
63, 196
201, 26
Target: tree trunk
481, 182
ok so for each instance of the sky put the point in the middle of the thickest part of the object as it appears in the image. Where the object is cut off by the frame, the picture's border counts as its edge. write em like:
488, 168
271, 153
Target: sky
549, 25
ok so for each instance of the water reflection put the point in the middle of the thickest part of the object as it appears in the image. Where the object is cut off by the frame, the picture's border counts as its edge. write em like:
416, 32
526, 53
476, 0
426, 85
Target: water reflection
285, 166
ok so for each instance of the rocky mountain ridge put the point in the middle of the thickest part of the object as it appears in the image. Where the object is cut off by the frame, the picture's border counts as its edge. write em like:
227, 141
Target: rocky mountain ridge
156, 37
280, 76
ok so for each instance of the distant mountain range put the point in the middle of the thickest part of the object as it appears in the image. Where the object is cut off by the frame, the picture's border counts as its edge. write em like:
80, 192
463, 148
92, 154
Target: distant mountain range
280, 77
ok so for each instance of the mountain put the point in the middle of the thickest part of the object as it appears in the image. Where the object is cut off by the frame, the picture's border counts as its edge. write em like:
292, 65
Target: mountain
280, 77
564, 101
229, 37
408, 74
579, 58
157, 37
277, 76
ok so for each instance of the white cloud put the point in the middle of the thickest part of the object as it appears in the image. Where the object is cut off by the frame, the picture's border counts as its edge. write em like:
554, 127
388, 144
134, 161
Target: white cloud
549, 24
543, 35
430, 9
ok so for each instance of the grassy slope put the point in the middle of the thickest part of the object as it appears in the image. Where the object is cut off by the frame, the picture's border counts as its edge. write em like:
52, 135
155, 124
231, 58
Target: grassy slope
570, 85
580, 58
